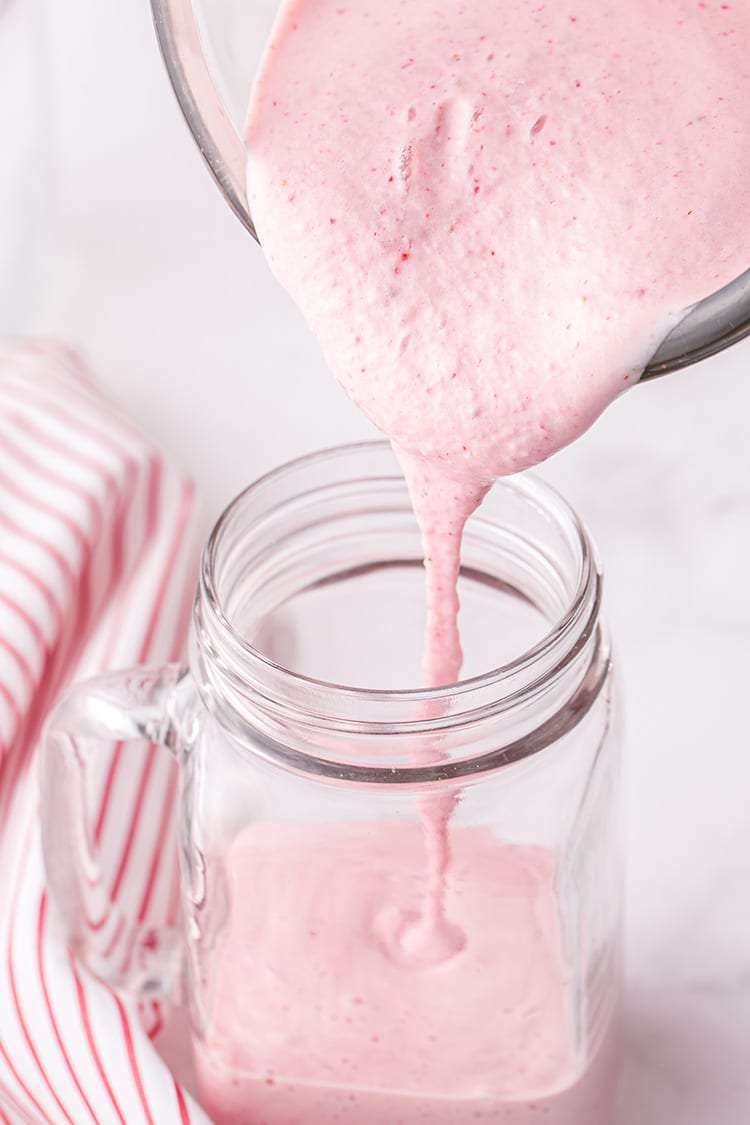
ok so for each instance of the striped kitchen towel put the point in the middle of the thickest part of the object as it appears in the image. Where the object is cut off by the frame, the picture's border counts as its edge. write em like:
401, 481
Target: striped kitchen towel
97, 571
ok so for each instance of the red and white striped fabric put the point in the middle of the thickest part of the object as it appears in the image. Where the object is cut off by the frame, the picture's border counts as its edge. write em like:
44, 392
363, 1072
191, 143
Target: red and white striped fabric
97, 571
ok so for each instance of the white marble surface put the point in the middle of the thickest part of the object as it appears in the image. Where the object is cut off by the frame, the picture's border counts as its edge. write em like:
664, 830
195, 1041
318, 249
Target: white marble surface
145, 266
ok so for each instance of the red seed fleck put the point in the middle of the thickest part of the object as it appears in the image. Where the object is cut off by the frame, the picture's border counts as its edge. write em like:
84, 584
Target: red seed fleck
332, 220
404, 257
390, 179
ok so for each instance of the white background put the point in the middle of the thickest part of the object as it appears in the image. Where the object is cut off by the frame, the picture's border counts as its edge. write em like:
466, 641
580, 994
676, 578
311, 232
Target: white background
141, 263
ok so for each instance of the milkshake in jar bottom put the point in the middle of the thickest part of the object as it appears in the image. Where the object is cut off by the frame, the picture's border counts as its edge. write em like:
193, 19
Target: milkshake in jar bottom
321, 988
369, 1037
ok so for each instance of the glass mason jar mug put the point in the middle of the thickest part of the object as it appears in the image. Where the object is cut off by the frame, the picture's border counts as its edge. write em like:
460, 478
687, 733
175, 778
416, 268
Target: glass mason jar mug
398, 905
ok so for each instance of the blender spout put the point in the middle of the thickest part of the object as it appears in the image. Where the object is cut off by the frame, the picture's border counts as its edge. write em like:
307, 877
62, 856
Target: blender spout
705, 329
217, 138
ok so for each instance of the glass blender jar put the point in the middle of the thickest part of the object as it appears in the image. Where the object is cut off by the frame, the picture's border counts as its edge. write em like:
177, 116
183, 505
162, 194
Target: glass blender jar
211, 50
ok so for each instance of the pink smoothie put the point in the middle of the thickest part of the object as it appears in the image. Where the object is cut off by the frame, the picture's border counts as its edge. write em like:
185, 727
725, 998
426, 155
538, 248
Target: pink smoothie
315, 1016
491, 213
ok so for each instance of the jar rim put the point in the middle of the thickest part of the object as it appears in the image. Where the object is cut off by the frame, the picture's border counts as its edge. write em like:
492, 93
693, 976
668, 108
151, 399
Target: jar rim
526, 483
245, 672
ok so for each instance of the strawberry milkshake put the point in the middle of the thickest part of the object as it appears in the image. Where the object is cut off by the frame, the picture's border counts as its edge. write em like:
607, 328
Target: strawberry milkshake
318, 1016
491, 212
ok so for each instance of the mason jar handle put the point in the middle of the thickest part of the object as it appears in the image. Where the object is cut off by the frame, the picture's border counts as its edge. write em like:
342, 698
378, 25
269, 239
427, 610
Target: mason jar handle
107, 815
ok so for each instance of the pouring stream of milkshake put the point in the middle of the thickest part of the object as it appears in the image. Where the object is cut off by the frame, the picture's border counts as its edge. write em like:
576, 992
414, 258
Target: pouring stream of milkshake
491, 212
